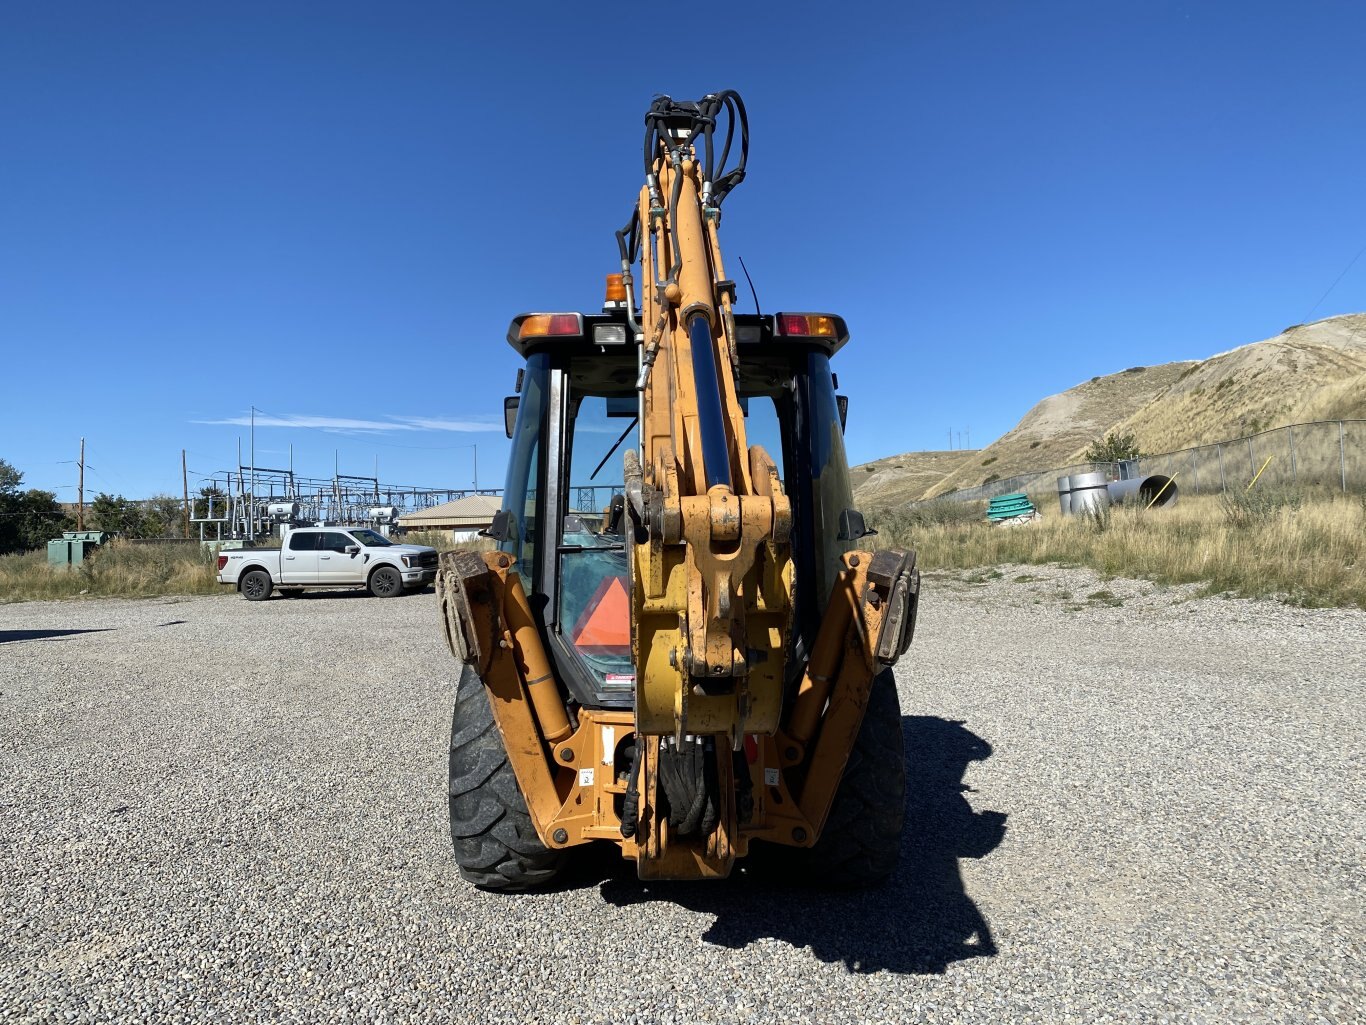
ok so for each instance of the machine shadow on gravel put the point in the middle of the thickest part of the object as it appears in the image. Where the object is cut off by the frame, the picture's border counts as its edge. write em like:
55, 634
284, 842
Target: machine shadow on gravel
39, 635
921, 921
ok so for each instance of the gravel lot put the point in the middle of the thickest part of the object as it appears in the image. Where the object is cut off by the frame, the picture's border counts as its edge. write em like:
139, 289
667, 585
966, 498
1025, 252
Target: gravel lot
1126, 806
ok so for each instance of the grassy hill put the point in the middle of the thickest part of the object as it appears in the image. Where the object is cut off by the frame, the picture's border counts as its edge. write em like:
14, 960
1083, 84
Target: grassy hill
1308, 372
888, 481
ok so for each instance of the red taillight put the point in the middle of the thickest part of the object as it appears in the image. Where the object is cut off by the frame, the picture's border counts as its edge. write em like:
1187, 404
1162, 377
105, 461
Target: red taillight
222, 561
807, 325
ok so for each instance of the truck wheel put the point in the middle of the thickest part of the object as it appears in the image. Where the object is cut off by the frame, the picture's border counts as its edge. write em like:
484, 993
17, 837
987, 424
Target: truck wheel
386, 582
495, 843
256, 585
861, 842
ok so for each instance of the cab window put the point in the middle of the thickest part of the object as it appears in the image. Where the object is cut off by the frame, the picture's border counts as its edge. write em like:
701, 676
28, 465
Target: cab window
521, 489
594, 610
301, 541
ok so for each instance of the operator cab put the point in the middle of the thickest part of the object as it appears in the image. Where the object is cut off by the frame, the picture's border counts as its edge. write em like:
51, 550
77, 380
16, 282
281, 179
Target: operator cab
563, 516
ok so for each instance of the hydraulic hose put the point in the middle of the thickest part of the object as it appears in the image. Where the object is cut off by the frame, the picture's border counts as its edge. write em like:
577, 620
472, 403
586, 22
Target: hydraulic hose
630, 804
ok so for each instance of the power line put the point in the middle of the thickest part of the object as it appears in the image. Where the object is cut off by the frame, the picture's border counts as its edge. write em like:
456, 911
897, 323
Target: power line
1351, 263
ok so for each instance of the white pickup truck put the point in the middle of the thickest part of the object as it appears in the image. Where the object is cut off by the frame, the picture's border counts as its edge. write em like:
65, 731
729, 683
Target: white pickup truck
329, 557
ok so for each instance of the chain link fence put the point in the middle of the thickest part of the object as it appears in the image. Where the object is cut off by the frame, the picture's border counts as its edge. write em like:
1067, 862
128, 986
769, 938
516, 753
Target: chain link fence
1326, 453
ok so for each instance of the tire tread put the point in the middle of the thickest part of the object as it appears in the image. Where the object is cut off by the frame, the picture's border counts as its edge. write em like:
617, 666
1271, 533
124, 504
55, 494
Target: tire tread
492, 835
861, 842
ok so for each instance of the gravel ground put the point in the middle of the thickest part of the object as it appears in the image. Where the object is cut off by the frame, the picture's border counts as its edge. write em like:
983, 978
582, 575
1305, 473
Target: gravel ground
1126, 806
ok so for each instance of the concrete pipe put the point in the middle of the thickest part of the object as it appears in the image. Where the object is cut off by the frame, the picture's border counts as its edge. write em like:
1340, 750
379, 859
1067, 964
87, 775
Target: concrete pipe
1065, 495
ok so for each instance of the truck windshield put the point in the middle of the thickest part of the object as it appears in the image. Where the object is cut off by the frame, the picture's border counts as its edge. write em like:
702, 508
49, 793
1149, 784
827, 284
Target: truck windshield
371, 538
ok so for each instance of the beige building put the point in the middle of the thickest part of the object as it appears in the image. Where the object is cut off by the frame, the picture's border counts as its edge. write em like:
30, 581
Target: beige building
463, 518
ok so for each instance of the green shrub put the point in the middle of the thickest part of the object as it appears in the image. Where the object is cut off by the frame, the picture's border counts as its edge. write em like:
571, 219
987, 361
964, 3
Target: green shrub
1113, 447
896, 526
1257, 506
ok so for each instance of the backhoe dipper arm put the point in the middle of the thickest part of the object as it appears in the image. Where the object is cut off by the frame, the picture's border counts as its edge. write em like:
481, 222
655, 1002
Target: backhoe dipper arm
699, 574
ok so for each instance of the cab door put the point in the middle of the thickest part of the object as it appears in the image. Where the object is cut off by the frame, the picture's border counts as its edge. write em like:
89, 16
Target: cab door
299, 558
335, 564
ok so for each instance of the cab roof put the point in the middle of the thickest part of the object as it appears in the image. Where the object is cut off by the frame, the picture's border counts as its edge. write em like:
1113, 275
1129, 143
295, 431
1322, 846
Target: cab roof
608, 331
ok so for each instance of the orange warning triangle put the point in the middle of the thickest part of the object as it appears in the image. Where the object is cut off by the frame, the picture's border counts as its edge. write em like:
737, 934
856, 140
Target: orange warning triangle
605, 626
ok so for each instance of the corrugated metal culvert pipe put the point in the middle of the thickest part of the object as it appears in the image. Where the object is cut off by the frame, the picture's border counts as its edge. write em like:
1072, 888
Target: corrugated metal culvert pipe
1156, 489
1089, 494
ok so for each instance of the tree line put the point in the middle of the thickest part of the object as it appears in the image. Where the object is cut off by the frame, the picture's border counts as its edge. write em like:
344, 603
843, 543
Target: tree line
30, 518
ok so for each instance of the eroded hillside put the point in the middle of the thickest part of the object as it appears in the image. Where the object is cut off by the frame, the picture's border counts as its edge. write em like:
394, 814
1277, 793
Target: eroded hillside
1313, 371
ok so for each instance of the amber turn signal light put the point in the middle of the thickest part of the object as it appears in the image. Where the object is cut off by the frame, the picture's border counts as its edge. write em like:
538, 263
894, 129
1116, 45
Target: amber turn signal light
538, 325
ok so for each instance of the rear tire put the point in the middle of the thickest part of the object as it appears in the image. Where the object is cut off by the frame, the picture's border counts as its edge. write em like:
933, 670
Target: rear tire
494, 840
861, 842
256, 585
386, 582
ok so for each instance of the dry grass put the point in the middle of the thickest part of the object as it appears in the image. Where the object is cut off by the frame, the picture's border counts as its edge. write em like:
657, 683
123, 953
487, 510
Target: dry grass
118, 569
1305, 548
441, 541
1343, 400
123, 570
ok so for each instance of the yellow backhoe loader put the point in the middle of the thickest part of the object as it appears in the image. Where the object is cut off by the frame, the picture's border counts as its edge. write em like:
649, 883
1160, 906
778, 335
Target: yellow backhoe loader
688, 654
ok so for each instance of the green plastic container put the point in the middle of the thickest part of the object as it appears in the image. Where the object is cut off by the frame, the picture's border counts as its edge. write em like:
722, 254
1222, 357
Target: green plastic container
1007, 507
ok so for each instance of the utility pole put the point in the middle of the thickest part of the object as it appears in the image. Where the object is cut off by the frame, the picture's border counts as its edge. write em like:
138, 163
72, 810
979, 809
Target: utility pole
950, 440
253, 472
80, 491
476, 468
967, 431
185, 484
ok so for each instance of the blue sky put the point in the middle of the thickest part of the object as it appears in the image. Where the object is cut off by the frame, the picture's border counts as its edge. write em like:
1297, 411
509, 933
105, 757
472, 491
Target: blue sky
331, 212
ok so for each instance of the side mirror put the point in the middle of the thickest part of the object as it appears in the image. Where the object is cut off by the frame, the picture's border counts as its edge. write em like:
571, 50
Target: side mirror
842, 401
853, 527
510, 414
352, 549
501, 527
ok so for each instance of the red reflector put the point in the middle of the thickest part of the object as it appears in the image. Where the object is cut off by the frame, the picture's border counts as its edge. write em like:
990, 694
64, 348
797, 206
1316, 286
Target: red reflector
222, 561
791, 324
563, 324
